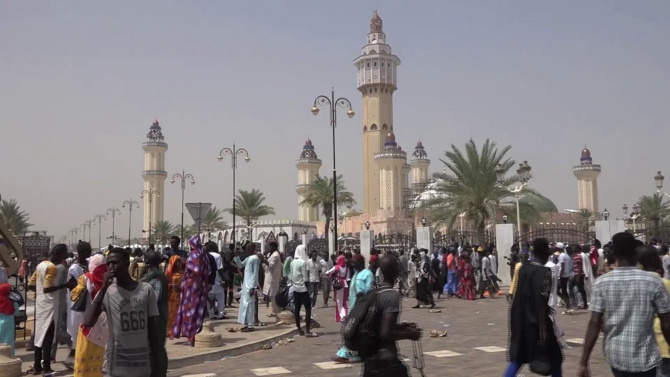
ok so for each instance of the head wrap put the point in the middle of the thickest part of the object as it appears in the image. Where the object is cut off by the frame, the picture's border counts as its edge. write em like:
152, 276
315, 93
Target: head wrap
301, 253
341, 261
560, 246
97, 268
96, 261
6, 304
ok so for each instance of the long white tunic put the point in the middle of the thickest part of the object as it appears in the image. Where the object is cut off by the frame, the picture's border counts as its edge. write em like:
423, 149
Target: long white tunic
247, 311
273, 275
46, 304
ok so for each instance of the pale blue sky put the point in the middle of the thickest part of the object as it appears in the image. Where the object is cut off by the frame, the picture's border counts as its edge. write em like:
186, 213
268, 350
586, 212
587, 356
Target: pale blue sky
82, 82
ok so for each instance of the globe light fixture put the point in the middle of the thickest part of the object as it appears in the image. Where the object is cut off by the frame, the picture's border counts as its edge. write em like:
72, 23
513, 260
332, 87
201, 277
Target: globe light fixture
659, 181
367, 225
606, 214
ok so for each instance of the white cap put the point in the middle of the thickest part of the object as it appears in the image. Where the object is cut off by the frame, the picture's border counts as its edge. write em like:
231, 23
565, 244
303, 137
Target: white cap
560, 245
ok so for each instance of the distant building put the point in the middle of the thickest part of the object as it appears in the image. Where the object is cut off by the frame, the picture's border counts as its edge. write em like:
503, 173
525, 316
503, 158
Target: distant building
154, 176
587, 182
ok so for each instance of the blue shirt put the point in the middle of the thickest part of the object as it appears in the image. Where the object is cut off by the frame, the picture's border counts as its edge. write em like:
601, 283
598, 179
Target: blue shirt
566, 269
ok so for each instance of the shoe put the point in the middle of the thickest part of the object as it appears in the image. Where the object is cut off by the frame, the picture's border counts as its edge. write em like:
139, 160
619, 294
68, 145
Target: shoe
416, 306
432, 306
301, 333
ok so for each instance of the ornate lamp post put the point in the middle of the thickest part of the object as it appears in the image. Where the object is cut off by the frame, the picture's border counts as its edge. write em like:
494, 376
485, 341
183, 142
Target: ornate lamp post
234, 152
182, 177
367, 225
100, 217
113, 212
633, 215
130, 203
333, 103
150, 193
606, 214
523, 173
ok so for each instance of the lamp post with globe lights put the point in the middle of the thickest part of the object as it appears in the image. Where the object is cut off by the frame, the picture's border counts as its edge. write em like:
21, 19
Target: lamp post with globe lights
523, 174
88, 224
659, 184
100, 217
633, 215
130, 203
234, 152
333, 104
182, 177
113, 212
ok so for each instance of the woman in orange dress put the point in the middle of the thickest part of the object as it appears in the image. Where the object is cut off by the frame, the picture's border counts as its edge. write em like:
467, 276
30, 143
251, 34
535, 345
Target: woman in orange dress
174, 274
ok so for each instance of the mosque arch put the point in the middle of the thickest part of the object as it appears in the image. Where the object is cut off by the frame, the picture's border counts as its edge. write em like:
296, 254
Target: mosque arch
373, 127
365, 128
385, 127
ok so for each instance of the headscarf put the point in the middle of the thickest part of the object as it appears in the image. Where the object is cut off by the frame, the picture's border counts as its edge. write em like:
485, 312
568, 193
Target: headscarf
97, 268
301, 253
171, 267
341, 261
6, 304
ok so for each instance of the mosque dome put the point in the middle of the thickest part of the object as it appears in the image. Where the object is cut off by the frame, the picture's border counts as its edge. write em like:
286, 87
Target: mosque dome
586, 156
155, 125
540, 203
308, 150
419, 151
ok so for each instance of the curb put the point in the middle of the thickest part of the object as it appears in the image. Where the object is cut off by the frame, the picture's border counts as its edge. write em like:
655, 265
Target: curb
217, 354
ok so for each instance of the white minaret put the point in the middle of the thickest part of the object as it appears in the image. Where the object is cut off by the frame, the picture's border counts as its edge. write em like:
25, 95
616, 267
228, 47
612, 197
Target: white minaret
308, 168
587, 182
391, 162
154, 175
376, 80
419, 163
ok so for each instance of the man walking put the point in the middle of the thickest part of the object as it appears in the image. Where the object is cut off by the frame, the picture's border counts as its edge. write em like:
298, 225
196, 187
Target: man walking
132, 347
274, 276
217, 292
624, 303
47, 301
297, 278
75, 318
565, 269
326, 283
314, 268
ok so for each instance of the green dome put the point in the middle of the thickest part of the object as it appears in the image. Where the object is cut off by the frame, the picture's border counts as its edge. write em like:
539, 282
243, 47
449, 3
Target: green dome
540, 203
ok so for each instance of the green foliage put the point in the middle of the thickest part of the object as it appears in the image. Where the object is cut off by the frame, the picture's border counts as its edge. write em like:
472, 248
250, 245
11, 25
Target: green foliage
16, 220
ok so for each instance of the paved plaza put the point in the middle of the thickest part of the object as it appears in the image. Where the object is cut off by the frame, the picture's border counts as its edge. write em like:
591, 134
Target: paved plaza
475, 345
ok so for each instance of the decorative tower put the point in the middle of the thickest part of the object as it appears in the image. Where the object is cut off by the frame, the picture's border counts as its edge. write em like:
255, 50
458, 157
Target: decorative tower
391, 162
154, 175
377, 81
308, 168
419, 163
587, 182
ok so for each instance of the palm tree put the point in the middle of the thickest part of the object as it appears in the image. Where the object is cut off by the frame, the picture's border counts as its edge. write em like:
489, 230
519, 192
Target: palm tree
12, 215
249, 206
162, 230
654, 208
470, 186
189, 230
320, 194
584, 217
213, 220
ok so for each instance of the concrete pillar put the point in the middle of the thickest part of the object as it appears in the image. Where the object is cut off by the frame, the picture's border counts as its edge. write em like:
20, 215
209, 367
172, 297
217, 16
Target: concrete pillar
281, 241
10, 366
331, 244
208, 338
424, 238
367, 243
605, 229
304, 240
504, 242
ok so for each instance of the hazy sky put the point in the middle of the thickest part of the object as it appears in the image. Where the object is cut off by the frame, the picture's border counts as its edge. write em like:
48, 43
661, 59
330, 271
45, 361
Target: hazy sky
82, 82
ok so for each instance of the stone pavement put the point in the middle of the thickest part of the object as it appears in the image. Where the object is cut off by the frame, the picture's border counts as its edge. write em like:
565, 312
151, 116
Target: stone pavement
181, 355
475, 345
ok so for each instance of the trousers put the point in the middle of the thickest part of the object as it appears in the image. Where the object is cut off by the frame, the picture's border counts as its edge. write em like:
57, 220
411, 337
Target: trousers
220, 296
302, 298
452, 283
564, 293
313, 292
43, 354
649, 373
326, 286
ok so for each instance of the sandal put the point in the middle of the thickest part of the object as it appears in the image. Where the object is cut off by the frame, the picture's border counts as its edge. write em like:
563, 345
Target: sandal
33, 372
246, 329
260, 324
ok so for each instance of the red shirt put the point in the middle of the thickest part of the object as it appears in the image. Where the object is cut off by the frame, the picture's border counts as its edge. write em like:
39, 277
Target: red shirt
594, 255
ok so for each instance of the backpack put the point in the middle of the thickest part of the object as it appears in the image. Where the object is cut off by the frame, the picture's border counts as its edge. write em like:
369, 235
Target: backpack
360, 329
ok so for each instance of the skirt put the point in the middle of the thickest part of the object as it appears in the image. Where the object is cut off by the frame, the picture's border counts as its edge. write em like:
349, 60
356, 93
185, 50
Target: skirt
88, 358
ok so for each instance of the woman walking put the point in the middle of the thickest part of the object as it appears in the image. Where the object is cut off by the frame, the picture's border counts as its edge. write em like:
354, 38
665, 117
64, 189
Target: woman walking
174, 274
91, 341
465, 277
361, 283
7, 310
340, 275
423, 292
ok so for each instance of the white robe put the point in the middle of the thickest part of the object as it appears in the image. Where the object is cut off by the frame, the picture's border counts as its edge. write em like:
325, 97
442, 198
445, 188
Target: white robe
588, 273
74, 319
273, 275
46, 305
247, 310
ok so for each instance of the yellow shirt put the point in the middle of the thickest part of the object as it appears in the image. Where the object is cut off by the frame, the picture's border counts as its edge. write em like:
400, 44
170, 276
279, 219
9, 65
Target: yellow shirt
49, 279
512, 287
660, 339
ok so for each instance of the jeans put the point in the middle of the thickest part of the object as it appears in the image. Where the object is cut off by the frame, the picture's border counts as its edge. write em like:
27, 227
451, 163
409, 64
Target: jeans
452, 283
44, 352
220, 296
665, 368
649, 373
313, 292
578, 282
302, 298
513, 368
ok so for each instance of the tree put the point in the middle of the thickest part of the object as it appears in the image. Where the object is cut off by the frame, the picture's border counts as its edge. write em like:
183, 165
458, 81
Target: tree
320, 194
213, 220
584, 217
249, 206
162, 231
470, 187
654, 208
189, 230
12, 215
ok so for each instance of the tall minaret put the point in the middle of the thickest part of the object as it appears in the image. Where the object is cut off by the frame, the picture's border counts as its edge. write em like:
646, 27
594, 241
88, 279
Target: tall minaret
419, 163
154, 175
391, 162
376, 81
308, 168
587, 182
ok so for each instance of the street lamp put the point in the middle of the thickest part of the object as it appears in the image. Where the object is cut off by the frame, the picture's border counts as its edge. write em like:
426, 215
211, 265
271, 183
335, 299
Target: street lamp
85, 224
113, 212
130, 204
100, 217
606, 214
423, 221
659, 184
182, 177
522, 176
150, 193
367, 225
504, 218
333, 103
234, 153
